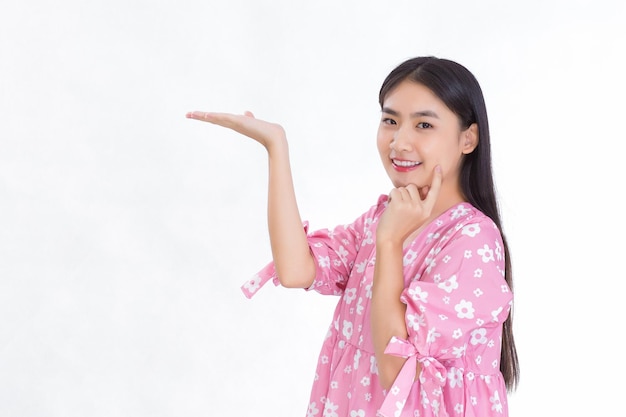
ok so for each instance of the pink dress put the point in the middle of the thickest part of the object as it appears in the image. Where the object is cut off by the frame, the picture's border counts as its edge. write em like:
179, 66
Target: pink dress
457, 300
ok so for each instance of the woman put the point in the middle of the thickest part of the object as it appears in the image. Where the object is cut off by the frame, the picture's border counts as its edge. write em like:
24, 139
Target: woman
422, 327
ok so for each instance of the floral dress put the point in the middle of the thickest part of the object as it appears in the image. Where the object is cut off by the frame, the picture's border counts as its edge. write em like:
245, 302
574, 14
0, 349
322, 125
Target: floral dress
456, 298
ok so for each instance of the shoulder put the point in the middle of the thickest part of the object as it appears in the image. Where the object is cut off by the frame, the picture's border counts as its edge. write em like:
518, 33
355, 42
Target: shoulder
466, 222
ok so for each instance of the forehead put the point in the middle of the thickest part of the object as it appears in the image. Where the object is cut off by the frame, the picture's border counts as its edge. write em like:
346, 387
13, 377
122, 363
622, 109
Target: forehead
410, 96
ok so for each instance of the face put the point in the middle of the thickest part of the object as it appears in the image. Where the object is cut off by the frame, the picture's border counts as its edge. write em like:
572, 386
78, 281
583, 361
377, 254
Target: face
417, 132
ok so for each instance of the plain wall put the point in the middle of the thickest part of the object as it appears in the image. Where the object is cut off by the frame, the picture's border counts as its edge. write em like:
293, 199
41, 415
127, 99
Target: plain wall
126, 230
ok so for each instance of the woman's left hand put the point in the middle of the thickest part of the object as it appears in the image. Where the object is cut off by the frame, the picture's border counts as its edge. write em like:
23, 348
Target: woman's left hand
406, 210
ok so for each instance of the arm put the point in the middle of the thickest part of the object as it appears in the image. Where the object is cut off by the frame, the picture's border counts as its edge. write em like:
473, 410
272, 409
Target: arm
387, 311
293, 261
404, 215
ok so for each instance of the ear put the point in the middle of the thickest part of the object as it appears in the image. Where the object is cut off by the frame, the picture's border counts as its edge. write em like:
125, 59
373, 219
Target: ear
469, 139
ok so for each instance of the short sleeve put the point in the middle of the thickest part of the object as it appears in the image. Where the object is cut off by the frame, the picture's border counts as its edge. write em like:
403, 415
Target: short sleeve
460, 294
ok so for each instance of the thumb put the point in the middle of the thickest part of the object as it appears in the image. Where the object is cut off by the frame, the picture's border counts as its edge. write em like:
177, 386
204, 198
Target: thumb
435, 187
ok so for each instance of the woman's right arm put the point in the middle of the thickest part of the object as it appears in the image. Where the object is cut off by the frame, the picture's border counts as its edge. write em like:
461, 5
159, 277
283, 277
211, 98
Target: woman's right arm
293, 261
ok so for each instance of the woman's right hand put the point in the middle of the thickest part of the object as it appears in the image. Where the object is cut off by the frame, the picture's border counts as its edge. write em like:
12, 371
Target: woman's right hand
266, 133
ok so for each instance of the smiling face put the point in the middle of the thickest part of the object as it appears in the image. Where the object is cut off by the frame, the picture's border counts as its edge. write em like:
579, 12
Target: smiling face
417, 132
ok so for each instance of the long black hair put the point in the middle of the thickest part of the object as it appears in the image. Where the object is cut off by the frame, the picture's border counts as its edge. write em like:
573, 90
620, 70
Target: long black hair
457, 87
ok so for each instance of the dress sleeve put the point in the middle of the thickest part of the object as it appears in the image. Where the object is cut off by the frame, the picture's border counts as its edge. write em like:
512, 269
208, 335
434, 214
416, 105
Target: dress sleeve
461, 291
335, 252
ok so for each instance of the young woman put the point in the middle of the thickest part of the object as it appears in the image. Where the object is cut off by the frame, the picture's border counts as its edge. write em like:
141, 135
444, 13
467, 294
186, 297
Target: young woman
423, 325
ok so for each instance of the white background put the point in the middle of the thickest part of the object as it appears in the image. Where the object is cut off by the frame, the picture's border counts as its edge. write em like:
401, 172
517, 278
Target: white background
126, 230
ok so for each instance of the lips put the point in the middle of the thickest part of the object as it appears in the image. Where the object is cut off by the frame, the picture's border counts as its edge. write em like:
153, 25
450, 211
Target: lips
404, 165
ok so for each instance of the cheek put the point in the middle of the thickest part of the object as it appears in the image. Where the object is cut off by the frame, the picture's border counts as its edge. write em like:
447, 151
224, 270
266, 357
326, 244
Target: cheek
382, 143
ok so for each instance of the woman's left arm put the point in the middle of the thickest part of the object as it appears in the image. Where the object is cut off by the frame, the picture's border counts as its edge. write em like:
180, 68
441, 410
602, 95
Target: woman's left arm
406, 212
387, 311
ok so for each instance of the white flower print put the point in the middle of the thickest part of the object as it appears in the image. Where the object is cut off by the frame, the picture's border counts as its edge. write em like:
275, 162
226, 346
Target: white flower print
458, 408
437, 278
457, 333
478, 337
478, 273
347, 329
435, 407
334, 384
357, 358
443, 317
360, 267
473, 400
458, 351
449, 285
480, 322
455, 377
345, 242
399, 407
313, 411
496, 405
373, 365
487, 253
323, 261
446, 259
337, 262
365, 381
431, 265
494, 363
432, 335
254, 284
471, 230
495, 314
330, 409
504, 288
432, 236
317, 245
470, 376
368, 396
415, 321
343, 254
324, 359
368, 290
467, 254
478, 360
409, 257
478, 292
349, 295
418, 295
464, 310
395, 390
491, 343
368, 238
348, 369
360, 306
357, 413
498, 251
458, 212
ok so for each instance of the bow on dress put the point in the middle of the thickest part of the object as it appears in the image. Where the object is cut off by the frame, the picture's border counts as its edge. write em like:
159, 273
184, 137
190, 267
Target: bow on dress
432, 377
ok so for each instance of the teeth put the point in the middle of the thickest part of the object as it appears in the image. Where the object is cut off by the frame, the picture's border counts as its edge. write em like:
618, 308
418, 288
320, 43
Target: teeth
405, 163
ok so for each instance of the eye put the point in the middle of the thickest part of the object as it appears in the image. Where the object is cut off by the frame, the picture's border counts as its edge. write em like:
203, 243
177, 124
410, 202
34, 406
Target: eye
388, 121
424, 125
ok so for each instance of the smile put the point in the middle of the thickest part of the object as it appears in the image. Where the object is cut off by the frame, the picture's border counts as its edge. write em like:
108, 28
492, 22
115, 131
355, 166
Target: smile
402, 165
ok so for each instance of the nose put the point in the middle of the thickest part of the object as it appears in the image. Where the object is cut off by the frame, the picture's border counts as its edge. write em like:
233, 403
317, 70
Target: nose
402, 141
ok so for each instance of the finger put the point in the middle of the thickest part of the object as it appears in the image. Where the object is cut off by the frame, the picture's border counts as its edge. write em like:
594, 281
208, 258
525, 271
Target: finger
202, 115
413, 192
396, 194
248, 113
435, 187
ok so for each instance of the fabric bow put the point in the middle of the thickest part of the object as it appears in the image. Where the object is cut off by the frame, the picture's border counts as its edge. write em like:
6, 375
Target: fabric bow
432, 378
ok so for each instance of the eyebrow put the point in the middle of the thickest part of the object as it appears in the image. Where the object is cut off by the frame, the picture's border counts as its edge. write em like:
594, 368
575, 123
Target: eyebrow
426, 113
